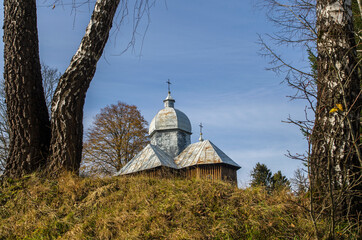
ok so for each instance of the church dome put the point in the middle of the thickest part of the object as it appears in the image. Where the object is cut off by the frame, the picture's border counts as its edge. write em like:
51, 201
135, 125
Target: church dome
170, 118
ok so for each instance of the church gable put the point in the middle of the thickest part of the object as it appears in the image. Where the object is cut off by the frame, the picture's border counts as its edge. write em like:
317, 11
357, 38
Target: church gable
224, 158
149, 158
204, 152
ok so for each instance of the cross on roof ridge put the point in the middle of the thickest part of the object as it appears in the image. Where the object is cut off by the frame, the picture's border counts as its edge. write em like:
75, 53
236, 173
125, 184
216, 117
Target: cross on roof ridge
201, 126
169, 83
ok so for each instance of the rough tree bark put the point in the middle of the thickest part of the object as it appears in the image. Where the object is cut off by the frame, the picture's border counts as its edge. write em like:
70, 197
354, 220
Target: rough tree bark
335, 140
27, 112
68, 100
34, 142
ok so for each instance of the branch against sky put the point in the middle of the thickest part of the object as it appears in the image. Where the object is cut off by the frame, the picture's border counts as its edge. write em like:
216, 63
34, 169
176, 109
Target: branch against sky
332, 90
295, 21
50, 78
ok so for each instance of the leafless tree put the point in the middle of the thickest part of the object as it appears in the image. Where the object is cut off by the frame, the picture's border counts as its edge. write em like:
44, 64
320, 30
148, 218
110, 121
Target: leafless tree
300, 182
50, 78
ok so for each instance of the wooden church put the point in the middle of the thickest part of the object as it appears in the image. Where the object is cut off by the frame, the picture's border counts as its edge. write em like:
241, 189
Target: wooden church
171, 151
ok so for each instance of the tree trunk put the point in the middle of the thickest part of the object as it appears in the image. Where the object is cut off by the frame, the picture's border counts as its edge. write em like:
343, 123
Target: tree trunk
27, 112
335, 155
68, 100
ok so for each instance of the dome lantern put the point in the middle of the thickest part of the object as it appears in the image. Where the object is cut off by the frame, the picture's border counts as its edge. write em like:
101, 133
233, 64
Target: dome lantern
169, 101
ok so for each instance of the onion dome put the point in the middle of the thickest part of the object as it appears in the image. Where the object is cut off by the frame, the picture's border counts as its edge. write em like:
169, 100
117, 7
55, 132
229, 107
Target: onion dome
170, 118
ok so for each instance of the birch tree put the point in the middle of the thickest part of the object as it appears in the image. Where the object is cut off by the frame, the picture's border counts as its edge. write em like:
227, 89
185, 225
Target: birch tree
332, 90
38, 142
336, 156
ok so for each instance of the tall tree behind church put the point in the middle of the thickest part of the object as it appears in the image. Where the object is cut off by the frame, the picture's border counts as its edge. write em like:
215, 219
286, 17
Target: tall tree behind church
117, 134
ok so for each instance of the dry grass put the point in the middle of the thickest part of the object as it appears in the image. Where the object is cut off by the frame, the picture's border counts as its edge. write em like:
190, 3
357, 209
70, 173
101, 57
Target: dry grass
146, 208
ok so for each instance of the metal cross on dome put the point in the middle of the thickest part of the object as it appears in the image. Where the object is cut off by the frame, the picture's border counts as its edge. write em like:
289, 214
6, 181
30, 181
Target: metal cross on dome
201, 138
169, 84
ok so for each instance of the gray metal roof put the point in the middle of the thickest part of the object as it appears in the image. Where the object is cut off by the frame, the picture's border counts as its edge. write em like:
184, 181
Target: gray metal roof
204, 152
150, 157
170, 118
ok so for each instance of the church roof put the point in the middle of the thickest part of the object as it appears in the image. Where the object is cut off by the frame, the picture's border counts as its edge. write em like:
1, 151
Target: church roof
150, 157
170, 118
204, 152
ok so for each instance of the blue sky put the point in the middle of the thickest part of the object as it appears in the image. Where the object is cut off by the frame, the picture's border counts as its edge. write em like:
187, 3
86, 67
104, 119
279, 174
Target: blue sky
209, 52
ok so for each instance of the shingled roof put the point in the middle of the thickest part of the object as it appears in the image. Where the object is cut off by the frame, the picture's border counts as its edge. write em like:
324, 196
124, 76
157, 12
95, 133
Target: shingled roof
150, 157
204, 152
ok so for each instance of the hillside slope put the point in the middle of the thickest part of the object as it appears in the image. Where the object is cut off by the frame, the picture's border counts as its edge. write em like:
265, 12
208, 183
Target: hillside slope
146, 208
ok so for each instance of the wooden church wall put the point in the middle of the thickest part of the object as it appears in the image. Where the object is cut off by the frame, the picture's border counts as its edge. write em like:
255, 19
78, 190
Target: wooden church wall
206, 171
212, 172
229, 174
163, 172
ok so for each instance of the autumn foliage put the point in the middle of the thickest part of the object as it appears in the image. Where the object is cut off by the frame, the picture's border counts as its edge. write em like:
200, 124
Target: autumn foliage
116, 135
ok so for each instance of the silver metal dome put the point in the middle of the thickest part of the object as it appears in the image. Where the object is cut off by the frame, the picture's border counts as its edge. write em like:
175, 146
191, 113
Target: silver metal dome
170, 118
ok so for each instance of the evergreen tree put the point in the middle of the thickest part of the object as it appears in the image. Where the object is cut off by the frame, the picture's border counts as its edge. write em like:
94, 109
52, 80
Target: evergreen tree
279, 181
261, 176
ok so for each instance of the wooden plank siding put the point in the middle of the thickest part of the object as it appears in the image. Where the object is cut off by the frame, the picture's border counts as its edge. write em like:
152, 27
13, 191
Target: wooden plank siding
164, 172
211, 171
206, 171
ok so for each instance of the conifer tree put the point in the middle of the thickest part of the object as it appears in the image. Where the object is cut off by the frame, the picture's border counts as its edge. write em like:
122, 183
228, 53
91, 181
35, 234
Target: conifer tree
261, 176
279, 181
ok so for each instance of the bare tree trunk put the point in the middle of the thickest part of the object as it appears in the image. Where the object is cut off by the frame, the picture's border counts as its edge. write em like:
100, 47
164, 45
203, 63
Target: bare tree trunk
27, 112
68, 100
335, 139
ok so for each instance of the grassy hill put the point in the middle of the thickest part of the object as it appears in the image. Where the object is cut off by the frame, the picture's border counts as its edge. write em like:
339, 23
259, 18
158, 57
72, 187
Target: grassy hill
147, 208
